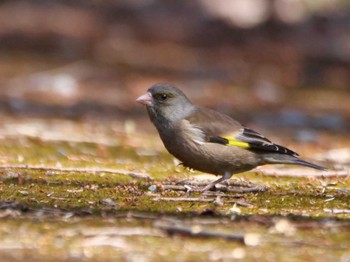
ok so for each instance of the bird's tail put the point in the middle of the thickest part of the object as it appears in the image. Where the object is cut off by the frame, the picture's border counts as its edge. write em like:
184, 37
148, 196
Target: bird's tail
305, 163
290, 160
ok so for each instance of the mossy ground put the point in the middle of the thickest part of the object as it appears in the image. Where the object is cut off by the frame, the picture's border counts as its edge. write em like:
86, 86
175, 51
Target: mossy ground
60, 215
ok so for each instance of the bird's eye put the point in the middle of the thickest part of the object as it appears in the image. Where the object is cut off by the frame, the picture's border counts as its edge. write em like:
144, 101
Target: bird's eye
163, 97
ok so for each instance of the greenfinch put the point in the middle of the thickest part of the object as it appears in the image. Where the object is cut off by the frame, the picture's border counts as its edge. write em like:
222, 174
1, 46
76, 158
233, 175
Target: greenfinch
207, 140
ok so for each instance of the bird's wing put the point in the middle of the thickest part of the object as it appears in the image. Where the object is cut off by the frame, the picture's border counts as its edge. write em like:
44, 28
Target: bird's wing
253, 140
221, 129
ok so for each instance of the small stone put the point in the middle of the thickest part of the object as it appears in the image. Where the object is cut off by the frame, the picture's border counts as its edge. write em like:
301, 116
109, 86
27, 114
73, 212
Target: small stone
283, 226
50, 173
238, 253
218, 201
234, 210
252, 239
107, 202
178, 209
23, 192
152, 188
20, 158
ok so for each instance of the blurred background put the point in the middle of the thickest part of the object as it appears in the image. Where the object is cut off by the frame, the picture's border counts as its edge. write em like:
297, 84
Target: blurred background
73, 139
271, 63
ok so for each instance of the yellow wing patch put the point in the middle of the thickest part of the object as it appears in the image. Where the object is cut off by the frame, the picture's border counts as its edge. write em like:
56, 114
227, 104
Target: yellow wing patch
234, 142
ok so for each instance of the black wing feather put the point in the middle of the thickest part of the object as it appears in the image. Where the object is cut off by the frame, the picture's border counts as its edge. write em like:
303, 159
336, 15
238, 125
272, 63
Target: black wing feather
257, 141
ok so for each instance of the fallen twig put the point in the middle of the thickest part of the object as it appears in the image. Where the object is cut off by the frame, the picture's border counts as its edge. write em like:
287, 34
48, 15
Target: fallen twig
178, 188
298, 172
183, 199
197, 231
133, 174
308, 244
254, 188
337, 211
221, 194
199, 199
112, 232
226, 183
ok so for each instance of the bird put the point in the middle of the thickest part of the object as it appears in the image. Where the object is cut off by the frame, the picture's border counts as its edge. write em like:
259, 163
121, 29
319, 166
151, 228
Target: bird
209, 141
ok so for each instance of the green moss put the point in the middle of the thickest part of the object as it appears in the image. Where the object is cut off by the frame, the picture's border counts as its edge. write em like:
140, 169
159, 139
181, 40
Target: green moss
79, 190
108, 198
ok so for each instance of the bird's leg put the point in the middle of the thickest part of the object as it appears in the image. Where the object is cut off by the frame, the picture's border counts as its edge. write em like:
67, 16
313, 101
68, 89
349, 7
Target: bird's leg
227, 175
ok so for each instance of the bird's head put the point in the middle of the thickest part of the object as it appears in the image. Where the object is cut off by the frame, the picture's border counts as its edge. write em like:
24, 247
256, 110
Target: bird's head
167, 101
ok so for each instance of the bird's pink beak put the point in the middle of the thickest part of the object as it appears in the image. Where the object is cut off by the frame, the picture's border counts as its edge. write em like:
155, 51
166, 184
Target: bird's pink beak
145, 99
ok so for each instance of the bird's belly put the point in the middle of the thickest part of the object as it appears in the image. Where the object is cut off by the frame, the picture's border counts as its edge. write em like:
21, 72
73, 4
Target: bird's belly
210, 157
